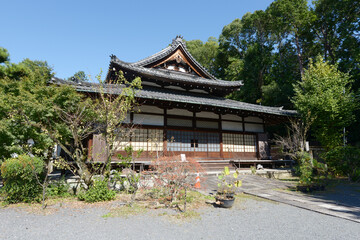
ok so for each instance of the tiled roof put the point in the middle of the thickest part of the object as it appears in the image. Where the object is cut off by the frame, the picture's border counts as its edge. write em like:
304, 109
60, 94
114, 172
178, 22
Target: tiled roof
180, 97
141, 68
168, 75
176, 43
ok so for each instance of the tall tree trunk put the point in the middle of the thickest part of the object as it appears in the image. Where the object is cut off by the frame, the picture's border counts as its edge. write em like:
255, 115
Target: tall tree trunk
299, 55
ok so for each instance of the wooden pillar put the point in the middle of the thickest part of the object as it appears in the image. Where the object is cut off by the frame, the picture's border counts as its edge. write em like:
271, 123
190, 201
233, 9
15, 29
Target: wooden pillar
90, 148
220, 138
243, 124
131, 117
194, 126
165, 133
257, 147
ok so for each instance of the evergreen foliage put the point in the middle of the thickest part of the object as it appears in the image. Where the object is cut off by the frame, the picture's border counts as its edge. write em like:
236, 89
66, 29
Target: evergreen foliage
97, 192
270, 50
345, 161
325, 100
20, 183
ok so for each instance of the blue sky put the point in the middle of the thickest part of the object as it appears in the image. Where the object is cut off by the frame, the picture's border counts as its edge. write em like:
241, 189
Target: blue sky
80, 35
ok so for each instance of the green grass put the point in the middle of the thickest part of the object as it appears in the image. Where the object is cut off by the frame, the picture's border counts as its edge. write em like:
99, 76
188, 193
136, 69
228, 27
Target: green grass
126, 211
293, 179
244, 197
211, 198
188, 215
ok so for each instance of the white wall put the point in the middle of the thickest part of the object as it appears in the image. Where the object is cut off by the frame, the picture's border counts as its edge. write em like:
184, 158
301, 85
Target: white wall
207, 124
231, 117
207, 115
251, 127
149, 109
179, 112
233, 126
146, 119
179, 122
253, 119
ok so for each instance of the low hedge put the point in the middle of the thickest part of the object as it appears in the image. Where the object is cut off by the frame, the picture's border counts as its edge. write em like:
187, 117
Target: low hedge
20, 184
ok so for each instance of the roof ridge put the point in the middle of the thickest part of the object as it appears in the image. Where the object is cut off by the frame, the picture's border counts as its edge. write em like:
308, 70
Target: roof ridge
157, 55
176, 42
175, 75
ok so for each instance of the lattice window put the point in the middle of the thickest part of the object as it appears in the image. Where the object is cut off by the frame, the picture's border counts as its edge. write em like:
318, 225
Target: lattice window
188, 141
123, 140
233, 142
250, 143
213, 142
155, 140
201, 138
139, 139
150, 140
239, 142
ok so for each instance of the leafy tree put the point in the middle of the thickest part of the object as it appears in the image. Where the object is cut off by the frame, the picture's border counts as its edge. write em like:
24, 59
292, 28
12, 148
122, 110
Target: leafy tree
30, 110
51, 114
270, 49
17, 83
337, 30
324, 98
337, 27
205, 53
111, 111
278, 88
290, 19
79, 76
245, 52
345, 161
76, 117
4, 55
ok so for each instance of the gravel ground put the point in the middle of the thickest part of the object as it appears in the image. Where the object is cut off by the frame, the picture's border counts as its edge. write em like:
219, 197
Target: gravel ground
248, 219
343, 193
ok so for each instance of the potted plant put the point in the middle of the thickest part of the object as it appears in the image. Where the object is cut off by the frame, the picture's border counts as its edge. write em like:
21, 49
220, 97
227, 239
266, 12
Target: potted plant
227, 185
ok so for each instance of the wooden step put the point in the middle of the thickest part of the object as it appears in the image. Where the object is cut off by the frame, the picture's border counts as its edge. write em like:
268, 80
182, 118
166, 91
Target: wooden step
216, 166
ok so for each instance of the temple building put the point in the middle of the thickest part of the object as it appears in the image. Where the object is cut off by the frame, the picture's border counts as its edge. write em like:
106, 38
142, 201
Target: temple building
183, 110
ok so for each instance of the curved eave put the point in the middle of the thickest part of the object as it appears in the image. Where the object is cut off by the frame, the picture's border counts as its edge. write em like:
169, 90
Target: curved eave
170, 76
167, 95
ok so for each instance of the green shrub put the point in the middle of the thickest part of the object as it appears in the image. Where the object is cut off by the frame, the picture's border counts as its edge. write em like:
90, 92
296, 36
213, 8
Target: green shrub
20, 184
58, 189
345, 161
305, 169
97, 192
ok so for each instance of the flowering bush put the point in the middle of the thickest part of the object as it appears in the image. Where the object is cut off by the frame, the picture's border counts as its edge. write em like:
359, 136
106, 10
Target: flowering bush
173, 177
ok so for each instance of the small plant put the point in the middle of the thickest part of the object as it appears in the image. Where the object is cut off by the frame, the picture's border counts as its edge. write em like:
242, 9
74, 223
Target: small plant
97, 192
345, 161
58, 189
312, 174
126, 211
306, 170
253, 170
20, 179
131, 181
228, 183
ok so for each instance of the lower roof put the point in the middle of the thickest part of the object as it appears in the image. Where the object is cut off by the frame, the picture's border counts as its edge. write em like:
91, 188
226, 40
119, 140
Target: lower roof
159, 94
